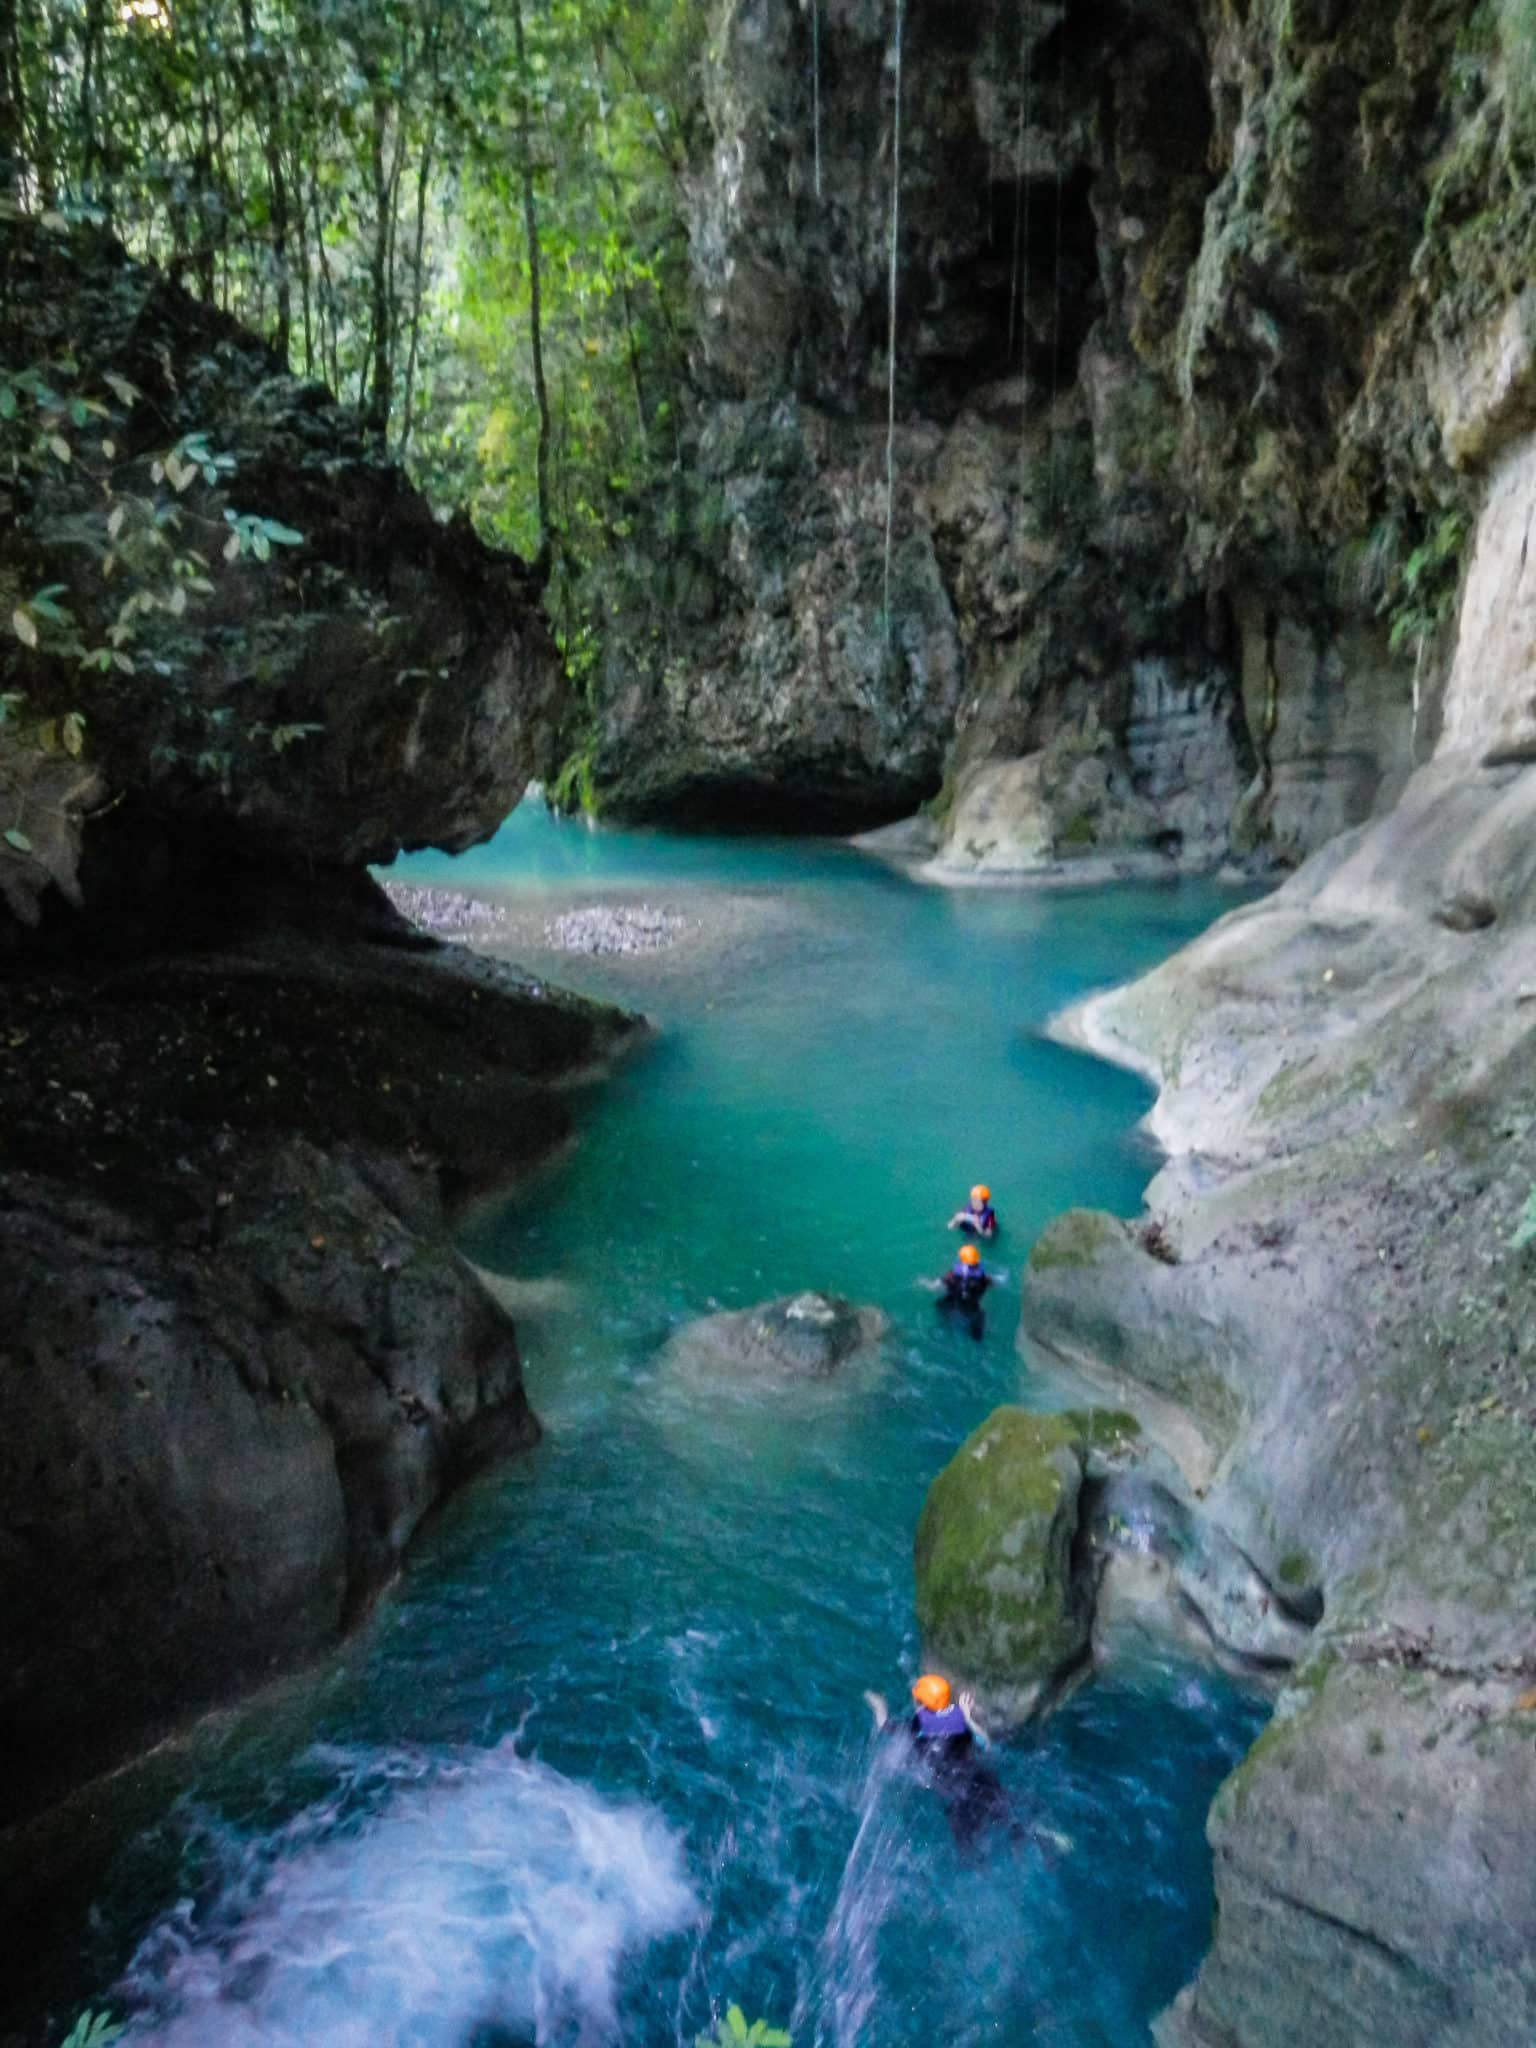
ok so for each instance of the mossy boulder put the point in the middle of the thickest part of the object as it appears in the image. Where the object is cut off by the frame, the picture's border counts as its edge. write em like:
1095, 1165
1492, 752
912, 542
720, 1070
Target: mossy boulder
999, 1600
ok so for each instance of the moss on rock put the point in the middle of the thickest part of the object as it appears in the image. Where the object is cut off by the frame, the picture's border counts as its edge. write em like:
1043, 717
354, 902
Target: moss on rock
1077, 1238
997, 1597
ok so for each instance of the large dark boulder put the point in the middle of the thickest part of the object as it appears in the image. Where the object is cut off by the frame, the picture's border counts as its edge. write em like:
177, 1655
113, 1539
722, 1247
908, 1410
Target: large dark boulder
239, 1096
389, 681
239, 1357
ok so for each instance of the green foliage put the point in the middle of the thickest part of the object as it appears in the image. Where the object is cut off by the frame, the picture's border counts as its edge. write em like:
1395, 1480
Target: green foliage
1517, 39
1425, 593
346, 177
136, 532
574, 789
1414, 583
733, 2032
93, 2030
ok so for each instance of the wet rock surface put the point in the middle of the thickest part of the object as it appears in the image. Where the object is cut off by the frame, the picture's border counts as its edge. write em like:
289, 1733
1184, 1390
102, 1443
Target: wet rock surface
1211, 1590
241, 1360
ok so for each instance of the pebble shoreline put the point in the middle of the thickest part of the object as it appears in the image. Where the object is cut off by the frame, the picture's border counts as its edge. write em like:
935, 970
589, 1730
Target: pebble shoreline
600, 929
445, 913
593, 929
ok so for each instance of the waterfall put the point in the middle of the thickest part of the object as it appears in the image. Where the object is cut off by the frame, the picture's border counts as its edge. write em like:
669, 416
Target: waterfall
890, 421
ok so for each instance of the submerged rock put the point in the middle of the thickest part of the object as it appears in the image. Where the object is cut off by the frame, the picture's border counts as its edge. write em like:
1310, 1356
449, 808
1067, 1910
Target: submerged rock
800, 1336
1002, 1600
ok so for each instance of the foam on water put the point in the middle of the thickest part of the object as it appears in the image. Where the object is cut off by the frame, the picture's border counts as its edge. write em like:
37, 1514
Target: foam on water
428, 1903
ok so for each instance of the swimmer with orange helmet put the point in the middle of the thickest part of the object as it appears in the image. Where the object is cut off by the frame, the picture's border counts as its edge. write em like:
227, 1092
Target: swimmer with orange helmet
978, 1216
938, 1716
946, 1738
966, 1282
964, 1287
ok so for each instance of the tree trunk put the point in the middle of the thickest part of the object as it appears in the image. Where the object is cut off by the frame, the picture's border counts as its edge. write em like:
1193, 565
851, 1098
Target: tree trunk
535, 300
381, 393
12, 99
418, 286
269, 114
89, 60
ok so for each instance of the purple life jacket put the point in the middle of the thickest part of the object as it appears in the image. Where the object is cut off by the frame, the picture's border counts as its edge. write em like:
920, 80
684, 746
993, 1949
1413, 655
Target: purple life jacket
931, 1727
986, 1217
966, 1283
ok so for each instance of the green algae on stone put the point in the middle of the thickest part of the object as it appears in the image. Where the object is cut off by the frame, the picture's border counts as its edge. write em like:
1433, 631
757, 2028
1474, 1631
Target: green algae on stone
1113, 1431
1077, 1238
997, 1600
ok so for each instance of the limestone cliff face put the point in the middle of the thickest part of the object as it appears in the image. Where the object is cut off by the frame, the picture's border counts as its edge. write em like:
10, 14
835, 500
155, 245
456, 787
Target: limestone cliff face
1341, 1341
1175, 284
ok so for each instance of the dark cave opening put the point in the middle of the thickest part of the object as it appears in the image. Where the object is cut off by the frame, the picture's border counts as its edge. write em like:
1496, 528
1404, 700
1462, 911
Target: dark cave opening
1019, 303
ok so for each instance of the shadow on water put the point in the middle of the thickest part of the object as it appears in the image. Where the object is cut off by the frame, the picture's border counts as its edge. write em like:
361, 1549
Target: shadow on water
601, 1763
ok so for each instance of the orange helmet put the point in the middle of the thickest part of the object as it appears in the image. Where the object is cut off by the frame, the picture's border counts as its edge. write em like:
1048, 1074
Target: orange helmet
969, 1256
932, 1692
981, 1194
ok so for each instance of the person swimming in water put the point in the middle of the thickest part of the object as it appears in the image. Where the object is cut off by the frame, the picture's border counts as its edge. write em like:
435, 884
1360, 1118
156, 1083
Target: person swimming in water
946, 1740
978, 1216
964, 1287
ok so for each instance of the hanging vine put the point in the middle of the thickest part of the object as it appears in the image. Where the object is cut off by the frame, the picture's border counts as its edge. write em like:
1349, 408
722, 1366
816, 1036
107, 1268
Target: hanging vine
890, 423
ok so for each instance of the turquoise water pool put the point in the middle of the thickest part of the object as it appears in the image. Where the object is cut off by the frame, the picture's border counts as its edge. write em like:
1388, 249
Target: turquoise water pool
601, 1763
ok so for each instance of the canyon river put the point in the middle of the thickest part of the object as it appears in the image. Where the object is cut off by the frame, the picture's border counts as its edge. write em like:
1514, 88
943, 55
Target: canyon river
600, 1764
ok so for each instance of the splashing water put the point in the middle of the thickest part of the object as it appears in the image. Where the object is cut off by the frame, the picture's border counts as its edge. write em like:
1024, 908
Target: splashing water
483, 1893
